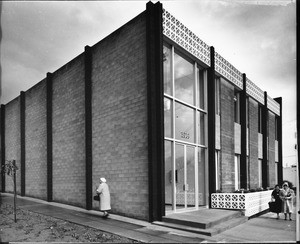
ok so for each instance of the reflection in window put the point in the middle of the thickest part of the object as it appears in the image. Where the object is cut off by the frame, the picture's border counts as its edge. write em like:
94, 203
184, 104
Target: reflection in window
217, 96
201, 175
168, 172
236, 107
218, 170
184, 79
200, 75
168, 117
184, 123
259, 173
237, 183
167, 70
259, 119
201, 127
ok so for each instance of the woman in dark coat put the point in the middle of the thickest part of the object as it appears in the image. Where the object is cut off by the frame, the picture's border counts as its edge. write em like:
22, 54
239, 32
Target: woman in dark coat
276, 204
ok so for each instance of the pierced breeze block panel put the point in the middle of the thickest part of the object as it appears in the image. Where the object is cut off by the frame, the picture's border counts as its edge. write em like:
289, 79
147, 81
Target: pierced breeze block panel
250, 203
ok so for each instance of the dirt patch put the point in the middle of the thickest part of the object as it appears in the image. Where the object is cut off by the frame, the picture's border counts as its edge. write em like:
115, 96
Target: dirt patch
33, 227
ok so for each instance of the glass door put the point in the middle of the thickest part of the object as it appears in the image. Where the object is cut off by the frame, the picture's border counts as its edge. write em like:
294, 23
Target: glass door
184, 176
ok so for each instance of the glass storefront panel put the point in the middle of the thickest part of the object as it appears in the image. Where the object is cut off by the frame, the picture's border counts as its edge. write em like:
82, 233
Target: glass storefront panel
201, 138
184, 79
168, 174
190, 176
201, 100
201, 176
168, 117
184, 123
202, 129
185, 130
167, 70
179, 176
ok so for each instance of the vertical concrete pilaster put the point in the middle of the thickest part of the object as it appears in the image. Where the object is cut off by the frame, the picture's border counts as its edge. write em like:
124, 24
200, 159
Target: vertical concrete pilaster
154, 42
49, 138
279, 138
265, 126
211, 101
2, 144
22, 142
88, 126
243, 120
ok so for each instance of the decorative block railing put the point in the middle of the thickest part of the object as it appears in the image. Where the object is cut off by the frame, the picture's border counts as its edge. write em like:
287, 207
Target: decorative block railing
180, 34
273, 105
223, 67
250, 203
184, 37
254, 91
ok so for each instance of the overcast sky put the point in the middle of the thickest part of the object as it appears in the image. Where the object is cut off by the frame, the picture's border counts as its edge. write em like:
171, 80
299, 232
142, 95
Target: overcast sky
257, 37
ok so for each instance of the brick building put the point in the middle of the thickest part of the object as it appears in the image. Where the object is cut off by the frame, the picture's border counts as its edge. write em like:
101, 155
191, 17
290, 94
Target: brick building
151, 107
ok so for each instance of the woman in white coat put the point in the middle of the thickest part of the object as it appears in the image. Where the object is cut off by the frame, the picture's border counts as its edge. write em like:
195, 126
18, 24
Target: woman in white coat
104, 203
287, 196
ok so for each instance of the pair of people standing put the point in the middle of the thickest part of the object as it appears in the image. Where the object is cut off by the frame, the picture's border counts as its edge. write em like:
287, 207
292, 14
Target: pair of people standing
104, 194
283, 200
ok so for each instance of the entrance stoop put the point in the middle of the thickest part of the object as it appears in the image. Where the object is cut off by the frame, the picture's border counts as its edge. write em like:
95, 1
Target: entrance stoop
205, 221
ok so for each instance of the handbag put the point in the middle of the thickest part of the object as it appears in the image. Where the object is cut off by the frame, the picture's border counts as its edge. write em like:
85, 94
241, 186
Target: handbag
97, 198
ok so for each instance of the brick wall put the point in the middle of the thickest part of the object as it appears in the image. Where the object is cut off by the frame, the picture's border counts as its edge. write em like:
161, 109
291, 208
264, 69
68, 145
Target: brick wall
35, 142
119, 105
271, 152
69, 134
12, 141
227, 136
253, 143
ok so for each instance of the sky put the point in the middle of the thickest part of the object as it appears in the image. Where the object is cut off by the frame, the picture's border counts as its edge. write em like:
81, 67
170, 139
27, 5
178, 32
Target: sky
258, 37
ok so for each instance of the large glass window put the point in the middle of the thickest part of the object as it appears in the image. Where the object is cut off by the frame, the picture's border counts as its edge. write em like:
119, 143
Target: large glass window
168, 117
259, 173
236, 107
201, 128
259, 119
201, 175
167, 59
276, 128
184, 123
168, 173
217, 96
184, 79
237, 172
201, 87
218, 170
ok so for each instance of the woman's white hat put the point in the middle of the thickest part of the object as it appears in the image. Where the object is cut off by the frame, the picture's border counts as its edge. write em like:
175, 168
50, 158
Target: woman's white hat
103, 180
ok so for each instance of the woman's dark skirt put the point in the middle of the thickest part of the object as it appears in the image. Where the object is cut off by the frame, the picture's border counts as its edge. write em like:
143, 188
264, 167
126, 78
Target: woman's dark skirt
275, 207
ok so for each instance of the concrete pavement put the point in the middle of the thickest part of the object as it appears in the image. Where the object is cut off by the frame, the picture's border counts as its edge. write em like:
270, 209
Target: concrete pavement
264, 228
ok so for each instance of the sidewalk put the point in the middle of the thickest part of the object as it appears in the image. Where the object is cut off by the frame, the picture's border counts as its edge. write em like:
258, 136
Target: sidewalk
260, 229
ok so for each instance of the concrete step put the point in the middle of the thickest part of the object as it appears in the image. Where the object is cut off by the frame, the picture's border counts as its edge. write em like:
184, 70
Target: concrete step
210, 231
202, 219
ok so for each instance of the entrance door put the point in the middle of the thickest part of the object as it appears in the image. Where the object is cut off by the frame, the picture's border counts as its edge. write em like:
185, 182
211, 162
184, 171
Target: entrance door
185, 180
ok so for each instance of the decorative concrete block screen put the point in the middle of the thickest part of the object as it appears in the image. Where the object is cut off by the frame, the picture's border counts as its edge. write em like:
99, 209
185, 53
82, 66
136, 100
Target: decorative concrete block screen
250, 203
180, 34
